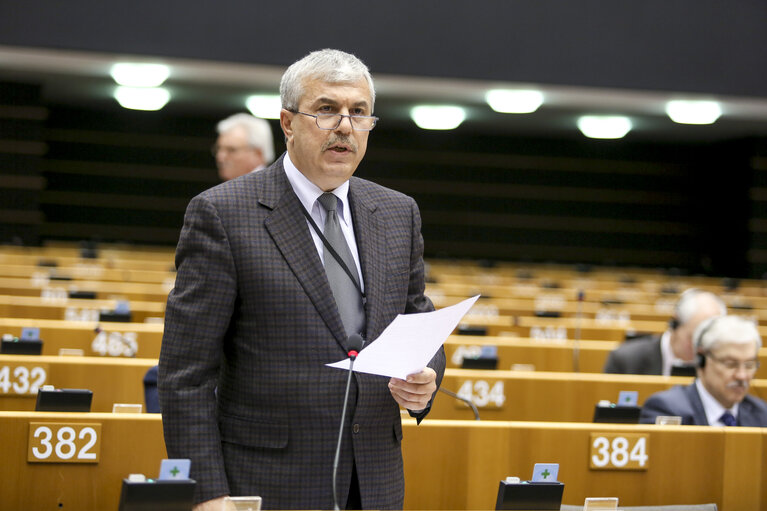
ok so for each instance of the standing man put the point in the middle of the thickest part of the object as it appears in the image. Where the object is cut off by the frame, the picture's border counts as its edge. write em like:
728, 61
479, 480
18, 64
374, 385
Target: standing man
657, 354
244, 145
261, 304
728, 357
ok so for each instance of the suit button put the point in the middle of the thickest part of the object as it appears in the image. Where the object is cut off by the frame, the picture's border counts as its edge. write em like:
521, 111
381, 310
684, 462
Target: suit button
356, 428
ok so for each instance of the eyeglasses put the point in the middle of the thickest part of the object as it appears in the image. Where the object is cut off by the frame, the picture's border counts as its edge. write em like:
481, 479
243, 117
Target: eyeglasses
333, 121
732, 365
229, 150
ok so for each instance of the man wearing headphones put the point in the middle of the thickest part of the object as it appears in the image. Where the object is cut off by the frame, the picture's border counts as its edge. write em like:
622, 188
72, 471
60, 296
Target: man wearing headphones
728, 349
657, 354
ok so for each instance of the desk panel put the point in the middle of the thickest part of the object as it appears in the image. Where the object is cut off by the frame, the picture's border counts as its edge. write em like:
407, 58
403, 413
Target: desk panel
458, 464
111, 380
130, 443
115, 340
546, 396
34, 307
448, 464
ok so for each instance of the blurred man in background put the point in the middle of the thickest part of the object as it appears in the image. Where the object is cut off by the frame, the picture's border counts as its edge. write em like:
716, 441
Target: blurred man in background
657, 354
244, 144
728, 351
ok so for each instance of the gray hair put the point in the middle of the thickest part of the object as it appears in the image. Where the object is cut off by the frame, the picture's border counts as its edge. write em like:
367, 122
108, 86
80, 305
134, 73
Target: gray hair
258, 131
725, 329
330, 66
689, 302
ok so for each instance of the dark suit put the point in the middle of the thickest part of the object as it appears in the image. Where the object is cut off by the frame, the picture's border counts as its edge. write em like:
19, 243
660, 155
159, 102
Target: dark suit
252, 314
685, 402
639, 356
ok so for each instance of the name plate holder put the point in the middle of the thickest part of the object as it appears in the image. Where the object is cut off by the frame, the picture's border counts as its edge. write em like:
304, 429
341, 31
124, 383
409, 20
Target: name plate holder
529, 495
172, 495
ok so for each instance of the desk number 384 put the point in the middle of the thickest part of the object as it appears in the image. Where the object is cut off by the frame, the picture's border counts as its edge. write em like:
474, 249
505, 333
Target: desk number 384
619, 451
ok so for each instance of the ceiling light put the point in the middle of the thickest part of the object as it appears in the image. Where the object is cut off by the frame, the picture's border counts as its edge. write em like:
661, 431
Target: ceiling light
693, 112
142, 98
514, 101
604, 126
140, 75
435, 117
266, 106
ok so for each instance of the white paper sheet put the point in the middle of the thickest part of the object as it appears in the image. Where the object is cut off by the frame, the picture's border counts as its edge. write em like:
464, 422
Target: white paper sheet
409, 342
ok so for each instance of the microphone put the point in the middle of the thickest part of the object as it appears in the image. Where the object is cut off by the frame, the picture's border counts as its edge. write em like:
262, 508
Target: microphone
467, 402
355, 344
577, 340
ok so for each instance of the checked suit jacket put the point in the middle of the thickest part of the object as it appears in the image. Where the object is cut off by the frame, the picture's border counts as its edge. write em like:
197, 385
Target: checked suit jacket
249, 327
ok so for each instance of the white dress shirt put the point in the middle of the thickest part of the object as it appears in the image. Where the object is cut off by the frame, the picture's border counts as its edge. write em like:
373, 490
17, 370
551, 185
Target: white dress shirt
308, 193
667, 354
712, 407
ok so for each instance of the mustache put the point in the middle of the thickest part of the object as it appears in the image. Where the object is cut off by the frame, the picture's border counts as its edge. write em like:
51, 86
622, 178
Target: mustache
738, 384
340, 140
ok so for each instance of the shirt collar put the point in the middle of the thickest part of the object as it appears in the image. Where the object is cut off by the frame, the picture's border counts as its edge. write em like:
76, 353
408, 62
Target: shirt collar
712, 407
667, 354
308, 192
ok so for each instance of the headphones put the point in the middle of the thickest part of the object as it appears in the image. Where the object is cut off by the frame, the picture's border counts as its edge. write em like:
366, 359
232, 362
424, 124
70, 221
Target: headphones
699, 338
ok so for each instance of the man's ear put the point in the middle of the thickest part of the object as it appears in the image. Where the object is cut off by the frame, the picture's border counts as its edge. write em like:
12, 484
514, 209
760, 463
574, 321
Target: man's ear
286, 123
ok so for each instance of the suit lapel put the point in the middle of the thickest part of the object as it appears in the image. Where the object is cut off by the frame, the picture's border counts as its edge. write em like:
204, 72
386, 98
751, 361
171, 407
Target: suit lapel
287, 227
747, 415
697, 405
371, 245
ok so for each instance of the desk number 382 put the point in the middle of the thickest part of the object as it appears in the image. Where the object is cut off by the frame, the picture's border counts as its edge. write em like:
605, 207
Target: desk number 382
64, 443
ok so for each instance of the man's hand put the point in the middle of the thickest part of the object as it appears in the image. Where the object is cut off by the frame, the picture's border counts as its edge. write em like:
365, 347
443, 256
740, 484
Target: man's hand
211, 505
415, 392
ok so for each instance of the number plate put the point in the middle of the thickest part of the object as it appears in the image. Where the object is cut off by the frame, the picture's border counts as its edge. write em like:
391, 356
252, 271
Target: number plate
22, 379
619, 451
115, 344
53, 442
483, 393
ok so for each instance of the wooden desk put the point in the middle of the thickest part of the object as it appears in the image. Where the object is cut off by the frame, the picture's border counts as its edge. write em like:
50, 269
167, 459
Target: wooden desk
72, 308
71, 258
559, 328
458, 464
448, 464
130, 443
545, 355
86, 271
545, 396
138, 291
111, 380
595, 310
107, 339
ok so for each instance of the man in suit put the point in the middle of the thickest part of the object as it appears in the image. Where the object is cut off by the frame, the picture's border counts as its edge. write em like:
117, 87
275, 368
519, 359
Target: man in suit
728, 350
657, 354
255, 316
244, 145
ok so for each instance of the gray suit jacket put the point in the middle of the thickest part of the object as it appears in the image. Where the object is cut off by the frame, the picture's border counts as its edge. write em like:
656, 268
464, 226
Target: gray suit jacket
685, 402
249, 327
639, 356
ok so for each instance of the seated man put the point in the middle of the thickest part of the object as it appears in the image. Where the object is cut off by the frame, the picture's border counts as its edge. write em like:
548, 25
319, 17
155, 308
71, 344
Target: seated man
657, 354
728, 348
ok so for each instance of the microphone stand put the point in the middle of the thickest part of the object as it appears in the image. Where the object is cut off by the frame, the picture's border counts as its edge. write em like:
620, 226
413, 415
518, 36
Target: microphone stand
468, 402
577, 340
354, 343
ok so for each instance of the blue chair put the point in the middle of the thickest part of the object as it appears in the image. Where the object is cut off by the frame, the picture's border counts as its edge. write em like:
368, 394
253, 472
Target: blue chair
151, 396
